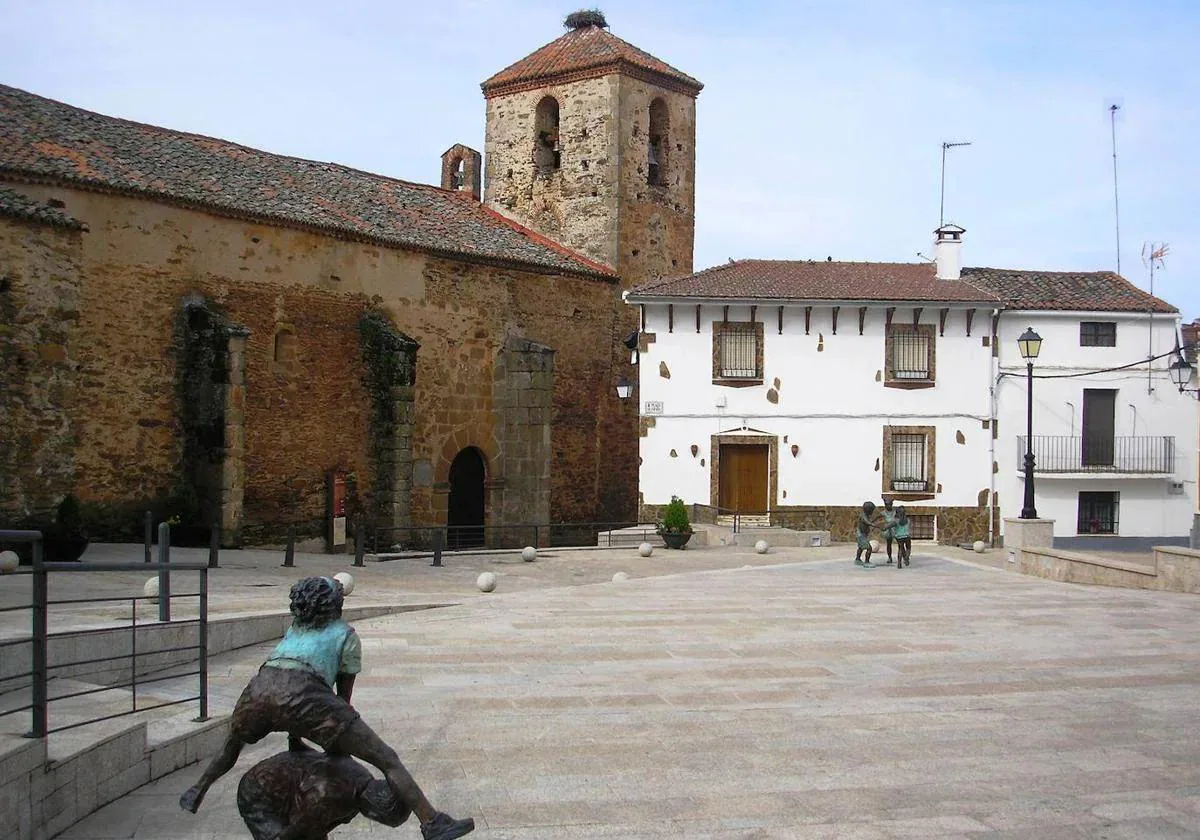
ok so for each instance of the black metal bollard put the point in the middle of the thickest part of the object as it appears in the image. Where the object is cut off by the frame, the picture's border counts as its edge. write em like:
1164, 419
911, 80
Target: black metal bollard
164, 572
289, 553
359, 546
149, 535
214, 547
439, 540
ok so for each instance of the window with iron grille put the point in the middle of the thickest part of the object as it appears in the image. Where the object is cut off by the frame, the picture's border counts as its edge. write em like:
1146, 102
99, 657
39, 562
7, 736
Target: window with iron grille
910, 354
908, 462
737, 350
1097, 333
920, 526
1098, 513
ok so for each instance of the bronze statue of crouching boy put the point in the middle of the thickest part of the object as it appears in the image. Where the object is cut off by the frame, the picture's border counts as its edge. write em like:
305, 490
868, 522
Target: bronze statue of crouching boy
294, 692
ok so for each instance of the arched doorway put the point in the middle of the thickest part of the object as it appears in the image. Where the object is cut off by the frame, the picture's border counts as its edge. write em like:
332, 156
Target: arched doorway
464, 515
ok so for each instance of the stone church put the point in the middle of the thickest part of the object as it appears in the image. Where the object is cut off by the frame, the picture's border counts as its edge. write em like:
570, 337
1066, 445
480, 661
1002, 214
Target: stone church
215, 331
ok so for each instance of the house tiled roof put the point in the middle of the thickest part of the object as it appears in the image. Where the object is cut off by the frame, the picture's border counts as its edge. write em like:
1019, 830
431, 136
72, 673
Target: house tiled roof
816, 280
43, 140
1087, 291
15, 205
1191, 335
583, 53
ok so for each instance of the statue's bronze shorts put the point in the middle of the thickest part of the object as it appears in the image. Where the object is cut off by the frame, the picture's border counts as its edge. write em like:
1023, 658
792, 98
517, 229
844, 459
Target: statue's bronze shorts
293, 701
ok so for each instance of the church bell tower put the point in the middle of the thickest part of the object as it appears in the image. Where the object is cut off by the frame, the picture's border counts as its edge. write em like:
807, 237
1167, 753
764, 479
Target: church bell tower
591, 142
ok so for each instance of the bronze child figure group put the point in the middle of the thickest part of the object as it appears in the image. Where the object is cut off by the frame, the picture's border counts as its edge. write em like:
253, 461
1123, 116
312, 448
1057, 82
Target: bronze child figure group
304, 689
893, 524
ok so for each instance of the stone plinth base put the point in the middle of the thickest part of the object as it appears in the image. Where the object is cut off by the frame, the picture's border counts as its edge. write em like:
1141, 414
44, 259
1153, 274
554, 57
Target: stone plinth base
1027, 533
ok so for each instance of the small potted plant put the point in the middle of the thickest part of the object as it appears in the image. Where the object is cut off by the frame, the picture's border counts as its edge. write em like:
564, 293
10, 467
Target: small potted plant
67, 539
674, 528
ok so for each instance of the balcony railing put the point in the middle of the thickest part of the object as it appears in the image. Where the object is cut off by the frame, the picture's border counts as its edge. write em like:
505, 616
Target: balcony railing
1144, 454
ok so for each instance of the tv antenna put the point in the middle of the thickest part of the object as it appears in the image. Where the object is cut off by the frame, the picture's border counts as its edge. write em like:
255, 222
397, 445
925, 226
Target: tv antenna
1153, 256
1113, 107
942, 203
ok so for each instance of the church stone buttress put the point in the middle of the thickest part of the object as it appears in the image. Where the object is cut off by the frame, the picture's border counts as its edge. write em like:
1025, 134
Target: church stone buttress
591, 143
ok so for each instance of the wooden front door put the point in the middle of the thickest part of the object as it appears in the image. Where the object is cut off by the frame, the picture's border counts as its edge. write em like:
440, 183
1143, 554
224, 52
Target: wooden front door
743, 479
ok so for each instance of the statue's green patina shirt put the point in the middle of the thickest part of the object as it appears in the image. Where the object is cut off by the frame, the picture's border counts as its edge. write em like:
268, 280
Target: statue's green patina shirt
326, 651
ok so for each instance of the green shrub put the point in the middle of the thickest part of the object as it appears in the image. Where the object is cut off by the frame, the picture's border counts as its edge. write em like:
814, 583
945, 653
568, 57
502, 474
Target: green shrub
675, 517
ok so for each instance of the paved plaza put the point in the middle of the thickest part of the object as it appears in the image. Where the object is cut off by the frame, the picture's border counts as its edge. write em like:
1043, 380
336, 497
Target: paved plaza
801, 699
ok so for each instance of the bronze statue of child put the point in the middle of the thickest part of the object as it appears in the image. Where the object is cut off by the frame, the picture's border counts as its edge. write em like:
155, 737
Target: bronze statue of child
900, 529
862, 532
304, 794
294, 692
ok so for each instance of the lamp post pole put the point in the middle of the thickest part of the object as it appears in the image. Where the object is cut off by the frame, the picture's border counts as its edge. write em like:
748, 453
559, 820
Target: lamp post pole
1028, 511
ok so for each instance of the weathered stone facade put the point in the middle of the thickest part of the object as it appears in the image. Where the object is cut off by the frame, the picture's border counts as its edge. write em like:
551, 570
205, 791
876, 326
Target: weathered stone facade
40, 309
298, 406
597, 200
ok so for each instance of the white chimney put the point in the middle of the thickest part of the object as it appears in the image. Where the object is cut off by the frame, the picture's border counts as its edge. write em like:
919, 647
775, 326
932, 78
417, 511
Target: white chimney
947, 248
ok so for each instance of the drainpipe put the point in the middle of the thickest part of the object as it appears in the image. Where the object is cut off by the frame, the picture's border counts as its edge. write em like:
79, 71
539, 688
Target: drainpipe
993, 363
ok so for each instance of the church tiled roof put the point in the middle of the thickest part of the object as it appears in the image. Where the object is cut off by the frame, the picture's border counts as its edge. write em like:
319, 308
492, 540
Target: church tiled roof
816, 280
584, 53
1086, 291
17, 206
42, 140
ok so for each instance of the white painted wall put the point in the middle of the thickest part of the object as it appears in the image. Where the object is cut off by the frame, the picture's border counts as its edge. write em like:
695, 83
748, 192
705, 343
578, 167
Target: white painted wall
831, 407
830, 404
1146, 508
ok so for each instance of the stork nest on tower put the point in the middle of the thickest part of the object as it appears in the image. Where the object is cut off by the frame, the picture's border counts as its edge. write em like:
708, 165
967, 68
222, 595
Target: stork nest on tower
585, 18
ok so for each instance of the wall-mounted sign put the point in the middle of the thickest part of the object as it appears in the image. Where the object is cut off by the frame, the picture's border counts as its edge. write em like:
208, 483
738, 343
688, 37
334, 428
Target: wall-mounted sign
336, 492
653, 408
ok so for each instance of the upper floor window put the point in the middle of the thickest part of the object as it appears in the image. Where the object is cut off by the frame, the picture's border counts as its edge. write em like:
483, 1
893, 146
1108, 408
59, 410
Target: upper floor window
1097, 333
546, 153
737, 352
660, 124
910, 355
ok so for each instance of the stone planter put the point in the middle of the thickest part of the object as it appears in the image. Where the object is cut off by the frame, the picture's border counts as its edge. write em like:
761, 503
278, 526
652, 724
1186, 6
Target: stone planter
675, 539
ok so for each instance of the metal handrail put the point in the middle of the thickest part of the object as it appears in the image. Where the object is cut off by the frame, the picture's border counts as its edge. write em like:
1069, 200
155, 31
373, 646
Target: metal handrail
40, 635
1141, 454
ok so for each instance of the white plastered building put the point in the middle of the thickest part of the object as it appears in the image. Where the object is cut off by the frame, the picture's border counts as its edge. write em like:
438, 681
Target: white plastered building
792, 391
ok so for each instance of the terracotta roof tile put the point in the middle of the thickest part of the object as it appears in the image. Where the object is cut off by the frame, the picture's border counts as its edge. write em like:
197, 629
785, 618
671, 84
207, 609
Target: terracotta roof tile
18, 206
816, 280
1088, 291
45, 140
583, 53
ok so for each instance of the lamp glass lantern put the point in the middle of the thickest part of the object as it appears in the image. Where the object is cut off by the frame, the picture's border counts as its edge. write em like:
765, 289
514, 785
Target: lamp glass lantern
1030, 344
624, 388
1181, 372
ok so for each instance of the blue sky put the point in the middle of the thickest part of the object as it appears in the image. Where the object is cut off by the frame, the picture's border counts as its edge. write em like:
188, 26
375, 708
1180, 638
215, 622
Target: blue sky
819, 128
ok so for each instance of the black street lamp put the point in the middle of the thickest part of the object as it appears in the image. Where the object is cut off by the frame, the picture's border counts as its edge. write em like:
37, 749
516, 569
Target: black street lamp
1030, 344
1181, 372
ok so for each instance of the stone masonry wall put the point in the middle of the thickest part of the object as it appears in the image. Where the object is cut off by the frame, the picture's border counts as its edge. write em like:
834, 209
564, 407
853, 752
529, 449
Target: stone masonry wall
39, 319
577, 204
305, 408
657, 223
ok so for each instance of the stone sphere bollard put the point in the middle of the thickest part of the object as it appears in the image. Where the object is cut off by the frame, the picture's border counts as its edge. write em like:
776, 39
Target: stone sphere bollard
619, 577
528, 554
8, 562
150, 590
645, 549
761, 546
486, 582
980, 546
347, 581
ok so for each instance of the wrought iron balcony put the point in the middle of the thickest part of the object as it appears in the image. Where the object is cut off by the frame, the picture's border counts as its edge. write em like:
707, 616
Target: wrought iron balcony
1144, 454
